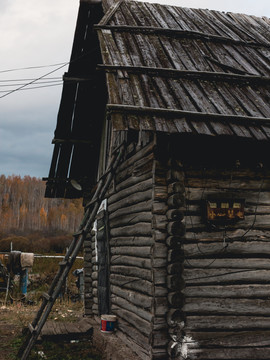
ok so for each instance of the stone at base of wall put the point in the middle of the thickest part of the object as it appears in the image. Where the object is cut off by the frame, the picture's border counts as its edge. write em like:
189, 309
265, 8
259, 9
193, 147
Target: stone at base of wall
111, 346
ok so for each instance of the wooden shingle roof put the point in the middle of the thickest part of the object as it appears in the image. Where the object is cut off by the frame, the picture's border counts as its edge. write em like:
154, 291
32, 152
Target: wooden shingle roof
168, 69
181, 70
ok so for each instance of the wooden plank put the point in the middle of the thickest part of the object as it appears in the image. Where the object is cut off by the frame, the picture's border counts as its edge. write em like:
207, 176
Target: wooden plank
228, 339
226, 323
231, 354
235, 248
228, 291
131, 261
217, 306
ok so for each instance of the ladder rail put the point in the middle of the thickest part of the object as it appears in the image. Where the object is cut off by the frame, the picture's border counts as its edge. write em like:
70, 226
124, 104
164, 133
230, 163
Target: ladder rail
78, 239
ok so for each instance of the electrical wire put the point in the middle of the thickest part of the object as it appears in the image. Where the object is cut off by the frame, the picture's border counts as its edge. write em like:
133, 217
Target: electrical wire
12, 81
37, 83
35, 87
225, 237
32, 67
33, 81
43, 76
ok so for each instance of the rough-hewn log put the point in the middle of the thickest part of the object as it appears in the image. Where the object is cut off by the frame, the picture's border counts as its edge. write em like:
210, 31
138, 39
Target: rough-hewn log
231, 234
175, 282
131, 181
141, 350
196, 209
228, 339
225, 276
131, 241
176, 187
159, 222
229, 322
136, 336
158, 354
130, 219
218, 173
251, 197
159, 250
175, 268
137, 169
175, 214
247, 353
176, 201
133, 209
176, 299
220, 184
134, 271
236, 247
175, 318
177, 228
133, 283
138, 156
134, 297
139, 229
140, 187
174, 242
175, 255
130, 200
131, 261
160, 338
137, 317
161, 305
261, 223
228, 291
160, 276
233, 263
174, 175
160, 193
159, 236
159, 208
227, 306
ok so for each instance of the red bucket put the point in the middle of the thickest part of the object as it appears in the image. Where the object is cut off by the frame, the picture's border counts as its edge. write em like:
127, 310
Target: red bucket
107, 323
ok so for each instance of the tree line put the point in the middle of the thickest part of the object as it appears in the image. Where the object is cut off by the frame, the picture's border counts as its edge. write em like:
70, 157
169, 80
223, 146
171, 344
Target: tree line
24, 210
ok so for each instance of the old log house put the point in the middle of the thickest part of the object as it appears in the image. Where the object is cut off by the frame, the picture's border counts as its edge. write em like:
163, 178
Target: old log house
181, 247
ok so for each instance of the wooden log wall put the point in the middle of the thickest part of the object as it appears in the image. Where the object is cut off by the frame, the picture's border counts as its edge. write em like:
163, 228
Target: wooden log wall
225, 298
88, 294
129, 209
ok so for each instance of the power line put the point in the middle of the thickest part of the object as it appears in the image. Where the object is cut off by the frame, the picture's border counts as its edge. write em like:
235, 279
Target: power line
33, 81
38, 82
35, 87
33, 67
13, 80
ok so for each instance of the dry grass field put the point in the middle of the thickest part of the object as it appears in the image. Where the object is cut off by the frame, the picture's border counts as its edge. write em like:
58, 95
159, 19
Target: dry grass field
16, 314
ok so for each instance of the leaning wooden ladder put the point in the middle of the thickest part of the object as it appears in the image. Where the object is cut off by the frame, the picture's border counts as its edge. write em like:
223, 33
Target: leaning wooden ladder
49, 298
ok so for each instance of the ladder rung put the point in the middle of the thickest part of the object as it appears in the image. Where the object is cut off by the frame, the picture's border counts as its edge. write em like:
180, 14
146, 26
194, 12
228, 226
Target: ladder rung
31, 328
47, 296
78, 233
63, 263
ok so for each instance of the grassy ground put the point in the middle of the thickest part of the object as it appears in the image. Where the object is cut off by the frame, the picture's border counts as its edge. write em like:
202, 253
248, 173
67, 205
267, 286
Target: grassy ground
15, 317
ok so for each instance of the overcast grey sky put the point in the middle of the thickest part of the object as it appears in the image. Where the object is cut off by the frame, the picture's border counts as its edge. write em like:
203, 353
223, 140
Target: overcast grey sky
38, 33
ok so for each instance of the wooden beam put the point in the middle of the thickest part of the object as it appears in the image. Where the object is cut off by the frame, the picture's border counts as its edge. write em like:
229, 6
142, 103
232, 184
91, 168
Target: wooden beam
71, 141
118, 108
186, 74
176, 33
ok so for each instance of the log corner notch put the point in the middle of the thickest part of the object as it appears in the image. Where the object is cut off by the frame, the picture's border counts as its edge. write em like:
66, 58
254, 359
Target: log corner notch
168, 230
175, 281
